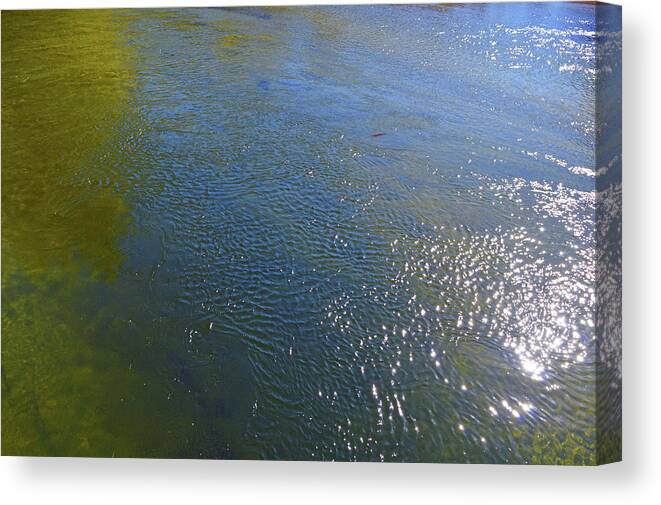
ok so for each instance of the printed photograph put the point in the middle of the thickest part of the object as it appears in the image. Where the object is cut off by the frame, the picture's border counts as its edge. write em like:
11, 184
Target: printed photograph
376, 233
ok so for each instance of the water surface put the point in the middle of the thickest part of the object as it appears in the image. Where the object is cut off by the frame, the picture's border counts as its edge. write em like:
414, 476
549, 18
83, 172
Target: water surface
324, 233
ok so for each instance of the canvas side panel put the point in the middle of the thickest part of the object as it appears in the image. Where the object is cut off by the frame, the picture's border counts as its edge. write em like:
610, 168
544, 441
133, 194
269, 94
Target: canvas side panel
608, 156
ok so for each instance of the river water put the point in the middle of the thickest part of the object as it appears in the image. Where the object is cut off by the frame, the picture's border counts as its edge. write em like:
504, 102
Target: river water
324, 233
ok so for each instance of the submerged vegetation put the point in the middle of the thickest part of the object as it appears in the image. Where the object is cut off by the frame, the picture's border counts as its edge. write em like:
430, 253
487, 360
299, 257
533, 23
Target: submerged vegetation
67, 82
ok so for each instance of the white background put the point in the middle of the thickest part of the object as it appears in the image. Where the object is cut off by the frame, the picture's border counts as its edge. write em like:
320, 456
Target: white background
636, 480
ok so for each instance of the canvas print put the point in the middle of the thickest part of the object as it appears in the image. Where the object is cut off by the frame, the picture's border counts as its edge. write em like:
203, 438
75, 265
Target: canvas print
378, 233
